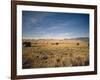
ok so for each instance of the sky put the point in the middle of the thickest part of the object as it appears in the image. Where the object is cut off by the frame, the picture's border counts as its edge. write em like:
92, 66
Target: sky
54, 25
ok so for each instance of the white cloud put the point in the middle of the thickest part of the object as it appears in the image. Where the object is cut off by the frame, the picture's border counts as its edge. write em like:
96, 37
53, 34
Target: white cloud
66, 34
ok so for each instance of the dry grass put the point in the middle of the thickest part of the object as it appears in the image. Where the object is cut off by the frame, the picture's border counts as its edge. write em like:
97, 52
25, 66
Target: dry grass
64, 54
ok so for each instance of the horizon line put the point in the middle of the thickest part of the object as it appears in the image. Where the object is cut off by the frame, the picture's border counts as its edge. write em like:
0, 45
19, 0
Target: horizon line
56, 38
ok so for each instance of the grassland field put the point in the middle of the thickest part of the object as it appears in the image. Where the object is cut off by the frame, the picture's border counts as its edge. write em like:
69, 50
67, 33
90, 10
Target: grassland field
55, 53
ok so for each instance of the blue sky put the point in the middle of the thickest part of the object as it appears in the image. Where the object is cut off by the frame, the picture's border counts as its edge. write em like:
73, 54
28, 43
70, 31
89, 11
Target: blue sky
54, 25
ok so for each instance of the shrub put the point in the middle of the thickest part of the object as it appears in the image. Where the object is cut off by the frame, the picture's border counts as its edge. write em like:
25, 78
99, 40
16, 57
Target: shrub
77, 43
27, 44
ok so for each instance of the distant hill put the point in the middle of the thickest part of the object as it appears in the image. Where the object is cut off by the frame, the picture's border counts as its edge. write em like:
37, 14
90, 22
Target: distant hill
80, 38
86, 39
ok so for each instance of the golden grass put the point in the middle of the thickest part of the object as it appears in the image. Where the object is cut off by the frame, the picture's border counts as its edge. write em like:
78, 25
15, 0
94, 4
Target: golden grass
62, 55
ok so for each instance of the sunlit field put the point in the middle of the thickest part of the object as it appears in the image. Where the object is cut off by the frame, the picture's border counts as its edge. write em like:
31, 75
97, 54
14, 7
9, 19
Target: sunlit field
54, 53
